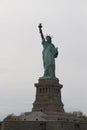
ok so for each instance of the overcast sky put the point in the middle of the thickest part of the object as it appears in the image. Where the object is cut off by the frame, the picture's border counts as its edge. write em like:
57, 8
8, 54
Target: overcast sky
21, 51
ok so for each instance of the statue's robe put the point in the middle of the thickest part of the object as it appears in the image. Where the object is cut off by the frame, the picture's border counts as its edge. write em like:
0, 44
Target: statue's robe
49, 55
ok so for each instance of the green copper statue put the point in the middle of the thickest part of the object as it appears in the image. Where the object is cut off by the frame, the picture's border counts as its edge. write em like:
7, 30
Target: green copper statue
49, 55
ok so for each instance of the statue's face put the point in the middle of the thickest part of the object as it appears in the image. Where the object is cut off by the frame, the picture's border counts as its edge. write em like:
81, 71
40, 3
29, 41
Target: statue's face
48, 38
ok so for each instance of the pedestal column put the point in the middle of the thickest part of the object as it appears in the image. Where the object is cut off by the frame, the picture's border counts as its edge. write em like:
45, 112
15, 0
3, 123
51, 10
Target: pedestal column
48, 96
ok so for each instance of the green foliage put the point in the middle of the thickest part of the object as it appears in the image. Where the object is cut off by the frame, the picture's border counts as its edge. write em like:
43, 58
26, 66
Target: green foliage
78, 114
9, 117
84, 117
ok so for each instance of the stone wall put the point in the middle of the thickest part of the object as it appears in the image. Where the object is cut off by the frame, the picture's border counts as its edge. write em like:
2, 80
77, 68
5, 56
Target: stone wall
21, 125
38, 125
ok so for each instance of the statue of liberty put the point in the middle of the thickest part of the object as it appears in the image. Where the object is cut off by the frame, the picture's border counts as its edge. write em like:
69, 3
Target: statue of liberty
49, 54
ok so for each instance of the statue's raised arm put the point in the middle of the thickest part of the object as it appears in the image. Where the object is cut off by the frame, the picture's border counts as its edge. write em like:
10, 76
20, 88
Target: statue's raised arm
41, 33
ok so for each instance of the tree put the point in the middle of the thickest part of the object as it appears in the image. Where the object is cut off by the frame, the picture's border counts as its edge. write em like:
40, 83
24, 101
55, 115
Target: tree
9, 117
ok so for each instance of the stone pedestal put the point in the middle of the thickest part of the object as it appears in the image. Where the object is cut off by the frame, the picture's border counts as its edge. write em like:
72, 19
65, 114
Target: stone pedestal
48, 96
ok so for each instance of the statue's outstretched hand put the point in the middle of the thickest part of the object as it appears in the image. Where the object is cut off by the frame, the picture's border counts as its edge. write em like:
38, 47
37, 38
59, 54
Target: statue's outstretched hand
40, 26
